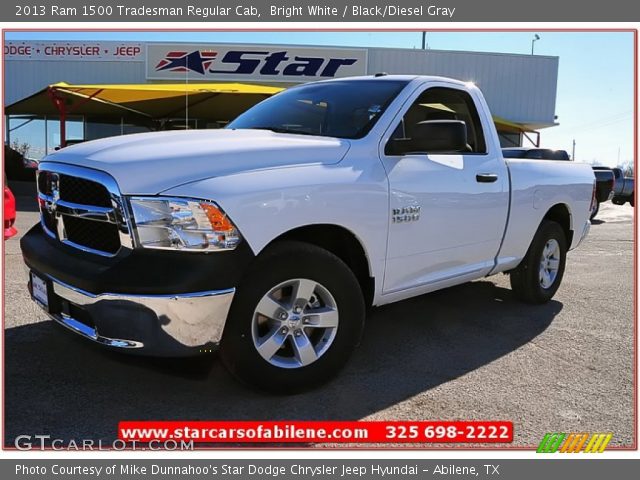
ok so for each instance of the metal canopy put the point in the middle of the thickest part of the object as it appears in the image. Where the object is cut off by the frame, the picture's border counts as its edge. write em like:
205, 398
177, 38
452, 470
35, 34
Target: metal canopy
148, 103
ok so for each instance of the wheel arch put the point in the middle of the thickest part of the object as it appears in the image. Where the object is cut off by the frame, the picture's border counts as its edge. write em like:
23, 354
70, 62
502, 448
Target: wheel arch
561, 214
344, 244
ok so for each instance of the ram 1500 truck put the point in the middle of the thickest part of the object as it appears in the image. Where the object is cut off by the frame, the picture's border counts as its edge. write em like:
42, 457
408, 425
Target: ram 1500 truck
271, 238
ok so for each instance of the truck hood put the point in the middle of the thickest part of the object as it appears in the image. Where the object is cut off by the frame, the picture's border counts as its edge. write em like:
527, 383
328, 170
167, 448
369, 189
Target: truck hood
150, 163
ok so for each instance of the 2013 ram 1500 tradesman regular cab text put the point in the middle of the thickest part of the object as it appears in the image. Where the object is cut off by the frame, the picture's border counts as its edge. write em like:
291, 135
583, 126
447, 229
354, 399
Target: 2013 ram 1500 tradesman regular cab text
271, 237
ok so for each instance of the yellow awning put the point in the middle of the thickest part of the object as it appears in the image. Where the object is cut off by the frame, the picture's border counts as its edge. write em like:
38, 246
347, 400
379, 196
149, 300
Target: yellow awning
158, 101
213, 101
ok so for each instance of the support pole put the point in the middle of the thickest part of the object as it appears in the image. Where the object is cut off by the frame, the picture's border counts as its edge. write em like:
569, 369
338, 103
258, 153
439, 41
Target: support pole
58, 102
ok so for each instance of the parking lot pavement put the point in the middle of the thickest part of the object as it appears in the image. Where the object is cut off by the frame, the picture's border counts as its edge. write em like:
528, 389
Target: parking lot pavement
468, 352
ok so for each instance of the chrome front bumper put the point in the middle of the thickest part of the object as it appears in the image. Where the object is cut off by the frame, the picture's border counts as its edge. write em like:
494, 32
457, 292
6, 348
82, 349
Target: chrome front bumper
164, 325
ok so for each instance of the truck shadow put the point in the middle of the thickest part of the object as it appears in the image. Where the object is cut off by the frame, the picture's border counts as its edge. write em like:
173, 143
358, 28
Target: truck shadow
61, 385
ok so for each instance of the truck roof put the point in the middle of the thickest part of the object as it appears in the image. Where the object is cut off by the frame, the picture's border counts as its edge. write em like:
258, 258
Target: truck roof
406, 78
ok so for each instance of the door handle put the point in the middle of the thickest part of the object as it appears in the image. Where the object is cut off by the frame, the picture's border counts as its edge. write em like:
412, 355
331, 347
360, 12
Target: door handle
486, 177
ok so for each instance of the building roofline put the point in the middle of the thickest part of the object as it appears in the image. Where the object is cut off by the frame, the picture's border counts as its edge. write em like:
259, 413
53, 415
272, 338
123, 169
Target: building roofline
294, 45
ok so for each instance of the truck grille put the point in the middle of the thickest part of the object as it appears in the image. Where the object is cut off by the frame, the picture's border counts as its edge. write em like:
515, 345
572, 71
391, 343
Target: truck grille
85, 192
82, 212
100, 236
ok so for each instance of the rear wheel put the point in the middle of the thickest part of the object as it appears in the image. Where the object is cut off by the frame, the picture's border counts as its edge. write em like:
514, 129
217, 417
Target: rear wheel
295, 320
539, 275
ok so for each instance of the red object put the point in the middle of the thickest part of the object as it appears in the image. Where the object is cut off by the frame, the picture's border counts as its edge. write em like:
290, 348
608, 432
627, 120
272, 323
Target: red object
9, 214
284, 431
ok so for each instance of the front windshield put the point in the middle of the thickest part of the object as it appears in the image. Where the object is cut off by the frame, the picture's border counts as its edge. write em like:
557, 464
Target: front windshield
342, 109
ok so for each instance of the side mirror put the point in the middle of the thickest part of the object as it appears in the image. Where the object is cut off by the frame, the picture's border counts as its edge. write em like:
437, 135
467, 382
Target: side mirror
432, 136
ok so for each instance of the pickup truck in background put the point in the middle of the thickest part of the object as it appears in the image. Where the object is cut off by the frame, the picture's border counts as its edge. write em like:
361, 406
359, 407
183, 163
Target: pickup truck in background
624, 188
605, 184
272, 237
605, 180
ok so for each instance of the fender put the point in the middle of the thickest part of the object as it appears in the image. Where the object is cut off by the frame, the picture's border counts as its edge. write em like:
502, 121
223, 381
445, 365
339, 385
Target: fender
267, 204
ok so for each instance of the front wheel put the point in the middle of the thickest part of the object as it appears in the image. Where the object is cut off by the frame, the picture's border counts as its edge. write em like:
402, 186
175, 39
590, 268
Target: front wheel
295, 320
539, 275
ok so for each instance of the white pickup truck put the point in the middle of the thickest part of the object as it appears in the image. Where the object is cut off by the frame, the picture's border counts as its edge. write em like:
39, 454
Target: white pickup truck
271, 238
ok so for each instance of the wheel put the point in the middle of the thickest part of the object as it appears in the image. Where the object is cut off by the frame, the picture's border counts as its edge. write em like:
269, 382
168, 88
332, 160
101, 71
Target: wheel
539, 275
295, 319
594, 212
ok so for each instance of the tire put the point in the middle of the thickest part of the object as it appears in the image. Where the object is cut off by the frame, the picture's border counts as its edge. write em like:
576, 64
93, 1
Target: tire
594, 212
528, 282
271, 352
617, 201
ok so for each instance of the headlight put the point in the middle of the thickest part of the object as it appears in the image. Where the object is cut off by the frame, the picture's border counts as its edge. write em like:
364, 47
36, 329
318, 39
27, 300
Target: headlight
182, 224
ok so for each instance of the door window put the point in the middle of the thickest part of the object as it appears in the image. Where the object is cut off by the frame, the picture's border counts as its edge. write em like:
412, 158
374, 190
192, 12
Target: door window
440, 103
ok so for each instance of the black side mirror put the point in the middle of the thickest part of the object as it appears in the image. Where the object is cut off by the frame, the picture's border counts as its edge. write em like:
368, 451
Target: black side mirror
432, 136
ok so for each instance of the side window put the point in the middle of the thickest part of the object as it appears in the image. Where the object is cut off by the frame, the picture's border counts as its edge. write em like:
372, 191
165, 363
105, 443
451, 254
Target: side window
440, 103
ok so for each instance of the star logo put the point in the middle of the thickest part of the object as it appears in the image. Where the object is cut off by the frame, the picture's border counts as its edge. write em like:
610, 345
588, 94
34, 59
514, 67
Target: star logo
197, 61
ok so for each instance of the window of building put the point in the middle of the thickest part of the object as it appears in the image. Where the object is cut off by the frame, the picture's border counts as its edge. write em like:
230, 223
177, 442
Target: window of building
128, 128
26, 134
74, 131
97, 127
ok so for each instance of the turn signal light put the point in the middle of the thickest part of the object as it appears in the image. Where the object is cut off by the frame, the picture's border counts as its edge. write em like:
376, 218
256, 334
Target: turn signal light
218, 220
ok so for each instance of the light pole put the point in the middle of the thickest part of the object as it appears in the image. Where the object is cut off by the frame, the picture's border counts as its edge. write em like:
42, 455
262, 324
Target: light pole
424, 40
536, 37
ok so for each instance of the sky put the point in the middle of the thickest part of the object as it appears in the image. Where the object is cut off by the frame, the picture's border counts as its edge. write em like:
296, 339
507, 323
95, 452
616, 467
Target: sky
595, 82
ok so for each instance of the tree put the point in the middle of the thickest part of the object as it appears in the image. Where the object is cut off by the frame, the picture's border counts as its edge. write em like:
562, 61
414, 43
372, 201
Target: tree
21, 148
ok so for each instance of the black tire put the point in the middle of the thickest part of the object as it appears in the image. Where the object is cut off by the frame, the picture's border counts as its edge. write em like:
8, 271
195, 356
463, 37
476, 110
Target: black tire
525, 279
594, 212
279, 264
617, 201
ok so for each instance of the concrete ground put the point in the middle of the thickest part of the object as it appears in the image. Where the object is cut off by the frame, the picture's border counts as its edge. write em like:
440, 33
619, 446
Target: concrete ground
468, 352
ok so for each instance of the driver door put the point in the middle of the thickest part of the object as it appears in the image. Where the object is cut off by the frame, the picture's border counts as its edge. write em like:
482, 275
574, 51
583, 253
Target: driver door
448, 209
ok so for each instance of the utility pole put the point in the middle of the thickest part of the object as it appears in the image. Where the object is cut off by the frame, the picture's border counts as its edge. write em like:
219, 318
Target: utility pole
424, 40
536, 37
573, 152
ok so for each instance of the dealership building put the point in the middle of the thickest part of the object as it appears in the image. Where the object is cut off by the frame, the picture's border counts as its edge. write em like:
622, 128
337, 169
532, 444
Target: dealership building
59, 92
